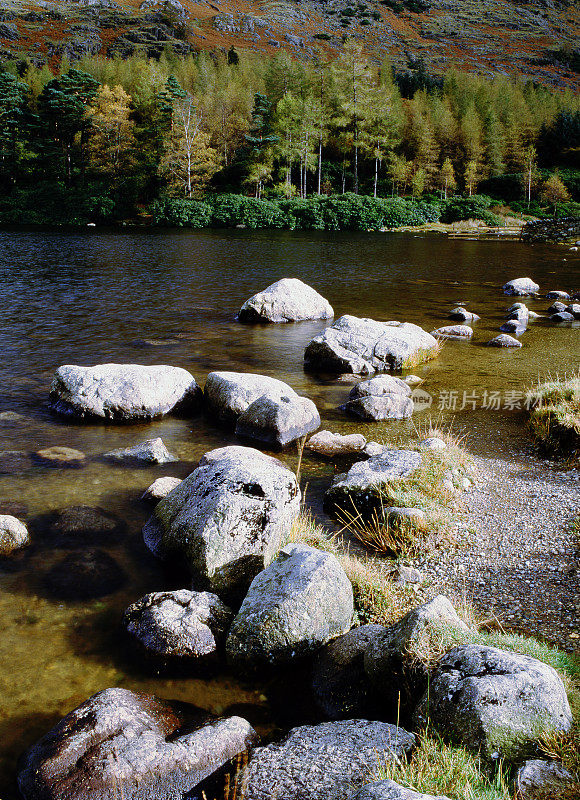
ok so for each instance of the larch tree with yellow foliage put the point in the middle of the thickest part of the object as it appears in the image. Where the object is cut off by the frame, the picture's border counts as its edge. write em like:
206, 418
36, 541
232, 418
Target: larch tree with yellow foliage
112, 138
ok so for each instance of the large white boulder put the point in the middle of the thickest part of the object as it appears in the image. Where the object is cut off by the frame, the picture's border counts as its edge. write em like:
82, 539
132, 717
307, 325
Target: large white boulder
287, 300
229, 394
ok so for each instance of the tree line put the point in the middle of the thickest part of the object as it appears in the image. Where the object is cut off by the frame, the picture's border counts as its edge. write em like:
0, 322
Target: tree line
122, 133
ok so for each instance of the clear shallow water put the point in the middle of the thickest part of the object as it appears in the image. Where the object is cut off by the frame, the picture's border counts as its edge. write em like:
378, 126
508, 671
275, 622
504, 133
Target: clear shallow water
171, 297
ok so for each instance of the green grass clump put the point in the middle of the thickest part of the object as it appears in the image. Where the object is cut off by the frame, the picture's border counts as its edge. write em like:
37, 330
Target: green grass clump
555, 415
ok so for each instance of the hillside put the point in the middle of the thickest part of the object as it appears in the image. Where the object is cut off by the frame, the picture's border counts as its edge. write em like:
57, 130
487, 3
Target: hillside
535, 39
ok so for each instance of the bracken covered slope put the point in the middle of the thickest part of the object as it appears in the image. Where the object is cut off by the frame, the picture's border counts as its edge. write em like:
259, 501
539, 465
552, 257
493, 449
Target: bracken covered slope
538, 39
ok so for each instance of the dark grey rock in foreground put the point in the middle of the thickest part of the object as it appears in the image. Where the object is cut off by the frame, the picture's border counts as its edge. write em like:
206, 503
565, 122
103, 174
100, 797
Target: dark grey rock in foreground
287, 300
277, 423
123, 392
292, 608
389, 790
339, 683
320, 762
364, 346
494, 701
120, 744
226, 519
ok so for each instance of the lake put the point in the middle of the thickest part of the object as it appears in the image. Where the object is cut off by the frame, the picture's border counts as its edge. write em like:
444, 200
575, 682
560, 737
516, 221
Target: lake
168, 297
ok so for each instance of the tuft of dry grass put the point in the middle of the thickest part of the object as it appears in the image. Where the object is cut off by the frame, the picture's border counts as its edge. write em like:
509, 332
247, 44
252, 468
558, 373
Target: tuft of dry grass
555, 415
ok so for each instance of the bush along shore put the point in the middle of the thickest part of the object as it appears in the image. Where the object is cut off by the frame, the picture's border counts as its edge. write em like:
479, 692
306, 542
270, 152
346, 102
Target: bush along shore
391, 697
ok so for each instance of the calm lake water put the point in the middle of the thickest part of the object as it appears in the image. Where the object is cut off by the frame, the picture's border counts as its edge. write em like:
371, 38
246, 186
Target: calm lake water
171, 298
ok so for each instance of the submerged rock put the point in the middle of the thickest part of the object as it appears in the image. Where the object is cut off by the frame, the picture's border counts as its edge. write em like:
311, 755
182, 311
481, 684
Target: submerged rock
497, 702
85, 575
365, 345
13, 535
15, 462
135, 746
58, 456
292, 608
82, 523
557, 295
226, 520
151, 451
229, 394
521, 287
287, 300
179, 626
277, 423
160, 489
319, 762
123, 392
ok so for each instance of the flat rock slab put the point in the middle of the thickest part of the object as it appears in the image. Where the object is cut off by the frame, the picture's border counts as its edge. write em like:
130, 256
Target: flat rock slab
287, 300
59, 456
123, 744
319, 762
226, 520
297, 604
364, 346
160, 489
330, 445
459, 332
123, 392
358, 489
229, 394
496, 702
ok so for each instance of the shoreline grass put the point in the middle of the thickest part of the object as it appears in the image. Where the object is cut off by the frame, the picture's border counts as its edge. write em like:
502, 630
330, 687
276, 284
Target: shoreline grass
555, 415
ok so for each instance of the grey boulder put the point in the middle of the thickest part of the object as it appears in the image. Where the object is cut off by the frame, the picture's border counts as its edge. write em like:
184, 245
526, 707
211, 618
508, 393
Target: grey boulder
504, 340
557, 295
123, 392
514, 327
459, 332
297, 604
226, 520
363, 346
276, 423
151, 451
179, 626
229, 394
557, 307
359, 489
545, 780
160, 489
562, 316
329, 445
124, 744
339, 684
318, 762
383, 397
396, 662
287, 300
390, 790
521, 287
574, 309
493, 701
13, 535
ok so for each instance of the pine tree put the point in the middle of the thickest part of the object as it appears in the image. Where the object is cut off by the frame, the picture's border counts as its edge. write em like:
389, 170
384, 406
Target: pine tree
13, 107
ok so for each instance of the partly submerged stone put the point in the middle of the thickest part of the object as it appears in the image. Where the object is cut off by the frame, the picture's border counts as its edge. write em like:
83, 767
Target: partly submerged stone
319, 762
160, 489
123, 392
80, 524
276, 423
461, 314
229, 394
13, 535
459, 332
84, 575
287, 300
297, 604
365, 346
521, 287
131, 745
59, 456
179, 626
227, 519
329, 445
504, 340
382, 397
151, 451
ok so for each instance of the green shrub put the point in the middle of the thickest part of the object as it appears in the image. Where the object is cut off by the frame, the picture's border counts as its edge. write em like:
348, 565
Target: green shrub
227, 210
181, 213
303, 214
460, 208
261, 214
